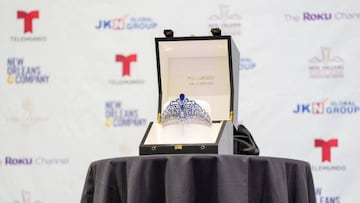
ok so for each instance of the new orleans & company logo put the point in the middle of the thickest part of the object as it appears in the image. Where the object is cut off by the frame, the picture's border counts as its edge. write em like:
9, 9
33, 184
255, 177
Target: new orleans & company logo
322, 197
20, 73
327, 66
228, 22
28, 19
117, 116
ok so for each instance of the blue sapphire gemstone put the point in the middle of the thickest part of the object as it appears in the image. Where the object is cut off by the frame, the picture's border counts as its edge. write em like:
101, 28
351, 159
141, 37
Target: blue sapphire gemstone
182, 96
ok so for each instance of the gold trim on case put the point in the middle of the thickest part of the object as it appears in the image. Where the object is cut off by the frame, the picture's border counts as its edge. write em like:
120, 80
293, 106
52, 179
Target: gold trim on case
159, 118
231, 116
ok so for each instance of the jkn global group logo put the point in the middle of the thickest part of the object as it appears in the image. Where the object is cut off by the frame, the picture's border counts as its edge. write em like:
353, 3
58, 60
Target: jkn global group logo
20, 73
327, 107
327, 147
118, 116
125, 63
326, 66
126, 23
247, 64
228, 21
28, 20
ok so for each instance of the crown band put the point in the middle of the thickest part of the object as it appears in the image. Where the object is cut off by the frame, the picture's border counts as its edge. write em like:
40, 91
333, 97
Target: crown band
184, 110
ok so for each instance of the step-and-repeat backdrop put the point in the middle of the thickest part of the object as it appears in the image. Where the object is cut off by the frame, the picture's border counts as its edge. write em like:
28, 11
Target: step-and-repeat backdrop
78, 83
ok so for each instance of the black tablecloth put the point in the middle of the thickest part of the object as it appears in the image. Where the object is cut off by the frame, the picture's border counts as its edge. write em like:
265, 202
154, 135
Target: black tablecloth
197, 179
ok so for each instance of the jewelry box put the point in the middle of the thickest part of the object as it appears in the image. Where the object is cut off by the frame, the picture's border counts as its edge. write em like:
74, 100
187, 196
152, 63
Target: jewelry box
195, 75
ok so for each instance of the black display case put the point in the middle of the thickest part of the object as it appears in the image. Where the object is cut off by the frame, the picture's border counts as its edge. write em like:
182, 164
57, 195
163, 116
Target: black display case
203, 68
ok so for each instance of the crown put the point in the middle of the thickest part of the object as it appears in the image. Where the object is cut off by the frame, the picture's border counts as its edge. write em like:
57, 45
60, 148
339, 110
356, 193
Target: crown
184, 110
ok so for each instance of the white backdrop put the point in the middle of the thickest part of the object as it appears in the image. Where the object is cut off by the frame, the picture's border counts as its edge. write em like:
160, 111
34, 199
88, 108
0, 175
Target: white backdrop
66, 100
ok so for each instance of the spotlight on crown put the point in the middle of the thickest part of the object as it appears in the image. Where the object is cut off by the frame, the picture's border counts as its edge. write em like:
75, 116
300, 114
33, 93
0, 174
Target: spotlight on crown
184, 110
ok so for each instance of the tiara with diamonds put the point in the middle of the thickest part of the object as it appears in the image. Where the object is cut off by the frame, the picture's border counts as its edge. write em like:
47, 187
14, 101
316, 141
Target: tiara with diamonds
184, 110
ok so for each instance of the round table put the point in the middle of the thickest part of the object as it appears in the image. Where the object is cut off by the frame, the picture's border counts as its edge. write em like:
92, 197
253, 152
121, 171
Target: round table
199, 178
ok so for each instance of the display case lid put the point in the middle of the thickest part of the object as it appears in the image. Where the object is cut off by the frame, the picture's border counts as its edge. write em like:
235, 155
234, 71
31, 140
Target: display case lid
199, 67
